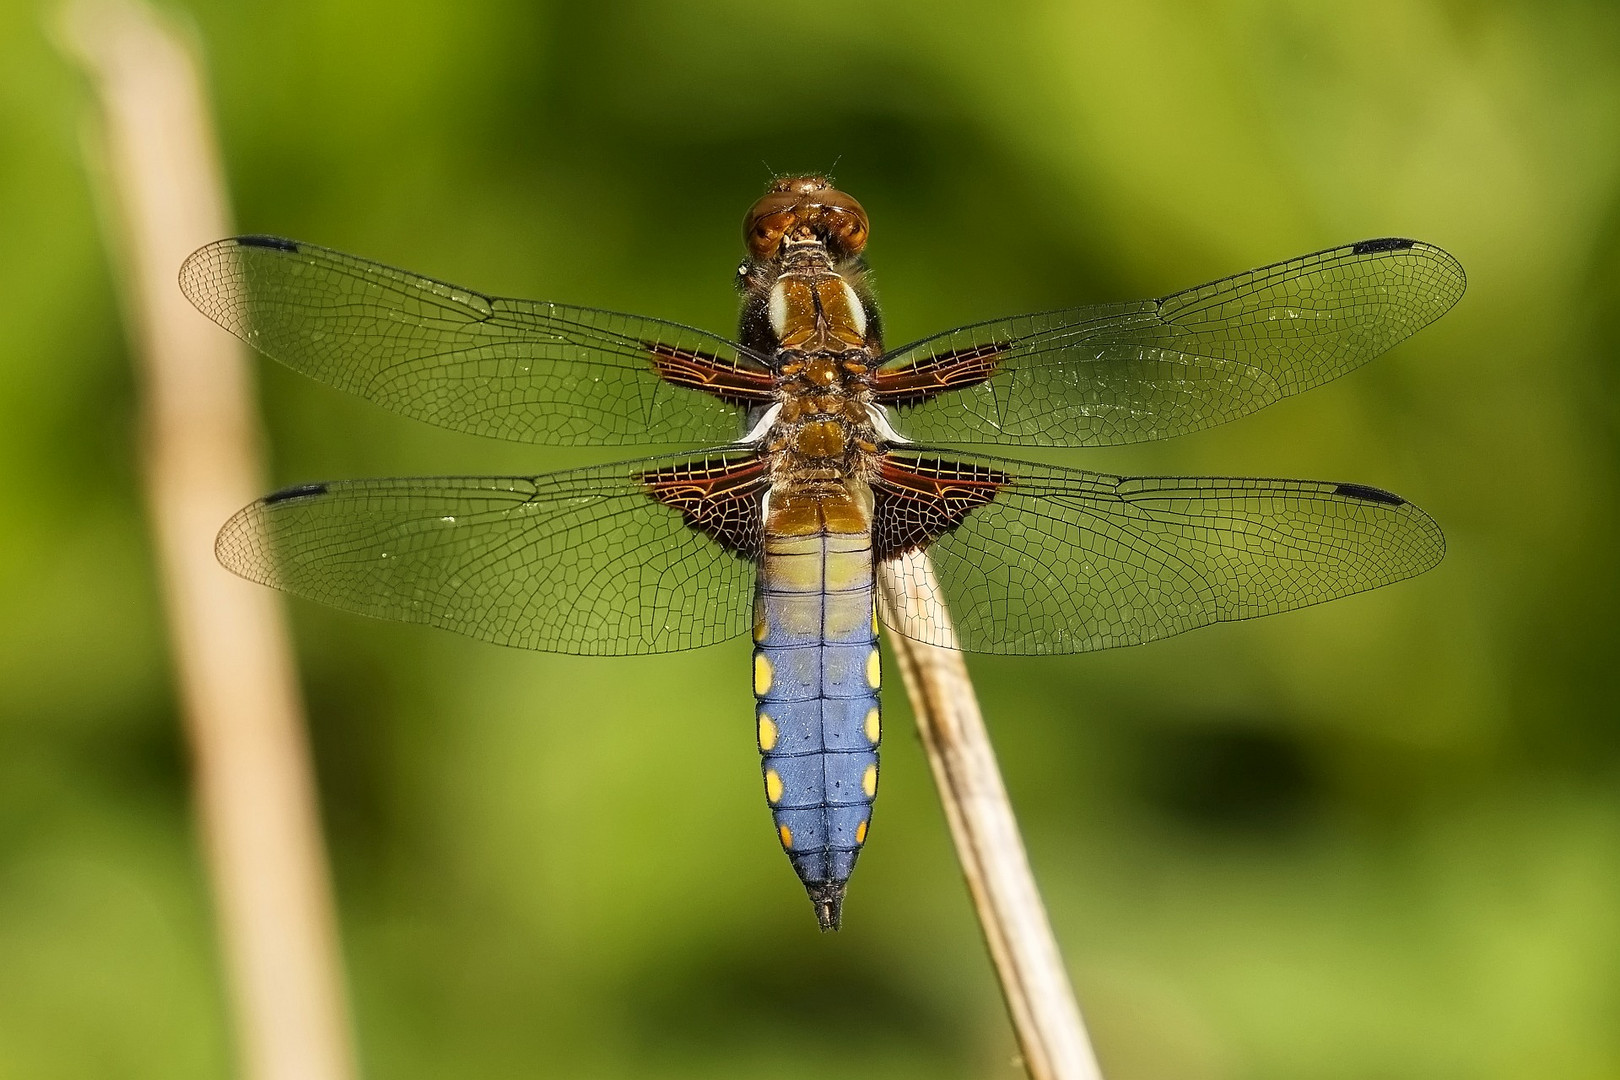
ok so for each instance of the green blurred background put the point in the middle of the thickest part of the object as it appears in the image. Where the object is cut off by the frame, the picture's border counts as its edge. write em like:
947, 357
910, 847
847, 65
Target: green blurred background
1379, 838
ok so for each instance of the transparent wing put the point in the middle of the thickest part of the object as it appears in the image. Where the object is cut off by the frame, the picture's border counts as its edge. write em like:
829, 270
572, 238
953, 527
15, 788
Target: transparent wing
513, 369
1059, 560
578, 562
1099, 376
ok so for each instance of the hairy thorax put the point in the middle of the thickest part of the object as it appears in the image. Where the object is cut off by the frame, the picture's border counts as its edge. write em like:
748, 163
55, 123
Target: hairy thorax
822, 446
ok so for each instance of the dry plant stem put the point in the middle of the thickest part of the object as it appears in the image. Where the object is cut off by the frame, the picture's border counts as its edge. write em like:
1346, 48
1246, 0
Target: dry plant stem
1033, 980
255, 795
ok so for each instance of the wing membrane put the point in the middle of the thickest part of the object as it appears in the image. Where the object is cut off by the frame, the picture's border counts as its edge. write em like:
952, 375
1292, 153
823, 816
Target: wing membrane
1061, 560
514, 369
587, 561
1100, 376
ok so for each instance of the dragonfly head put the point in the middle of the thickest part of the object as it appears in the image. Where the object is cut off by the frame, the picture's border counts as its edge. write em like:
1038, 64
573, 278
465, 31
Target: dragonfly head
805, 209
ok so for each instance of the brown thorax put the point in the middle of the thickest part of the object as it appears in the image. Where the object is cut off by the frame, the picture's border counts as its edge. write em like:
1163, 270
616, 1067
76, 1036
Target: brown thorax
807, 308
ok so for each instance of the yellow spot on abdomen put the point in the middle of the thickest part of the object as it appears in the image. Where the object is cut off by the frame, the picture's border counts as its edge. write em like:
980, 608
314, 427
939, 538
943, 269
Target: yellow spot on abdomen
873, 726
767, 732
761, 629
762, 674
874, 620
773, 786
860, 833
874, 671
786, 834
869, 781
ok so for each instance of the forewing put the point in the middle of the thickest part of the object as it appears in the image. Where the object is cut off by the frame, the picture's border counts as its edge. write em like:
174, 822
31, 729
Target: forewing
1052, 560
590, 561
1100, 376
514, 369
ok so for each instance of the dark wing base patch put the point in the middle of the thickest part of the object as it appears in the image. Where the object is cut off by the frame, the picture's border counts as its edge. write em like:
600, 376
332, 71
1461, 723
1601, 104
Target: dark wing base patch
917, 500
927, 374
736, 382
723, 500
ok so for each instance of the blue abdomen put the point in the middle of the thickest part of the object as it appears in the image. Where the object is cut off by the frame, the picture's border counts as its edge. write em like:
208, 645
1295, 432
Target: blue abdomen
816, 678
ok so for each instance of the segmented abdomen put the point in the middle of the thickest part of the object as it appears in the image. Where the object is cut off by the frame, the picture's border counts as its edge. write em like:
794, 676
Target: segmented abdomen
816, 678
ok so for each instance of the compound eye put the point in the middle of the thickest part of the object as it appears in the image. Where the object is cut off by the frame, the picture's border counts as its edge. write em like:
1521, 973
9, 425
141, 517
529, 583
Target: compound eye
768, 221
846, 232
843, 220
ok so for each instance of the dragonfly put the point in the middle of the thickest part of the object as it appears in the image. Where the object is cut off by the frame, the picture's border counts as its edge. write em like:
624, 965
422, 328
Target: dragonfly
812, 464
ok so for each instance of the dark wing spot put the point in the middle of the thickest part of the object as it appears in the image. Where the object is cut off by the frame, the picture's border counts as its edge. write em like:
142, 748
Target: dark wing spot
302, 491
1383, 243
1369, 494
277, 242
